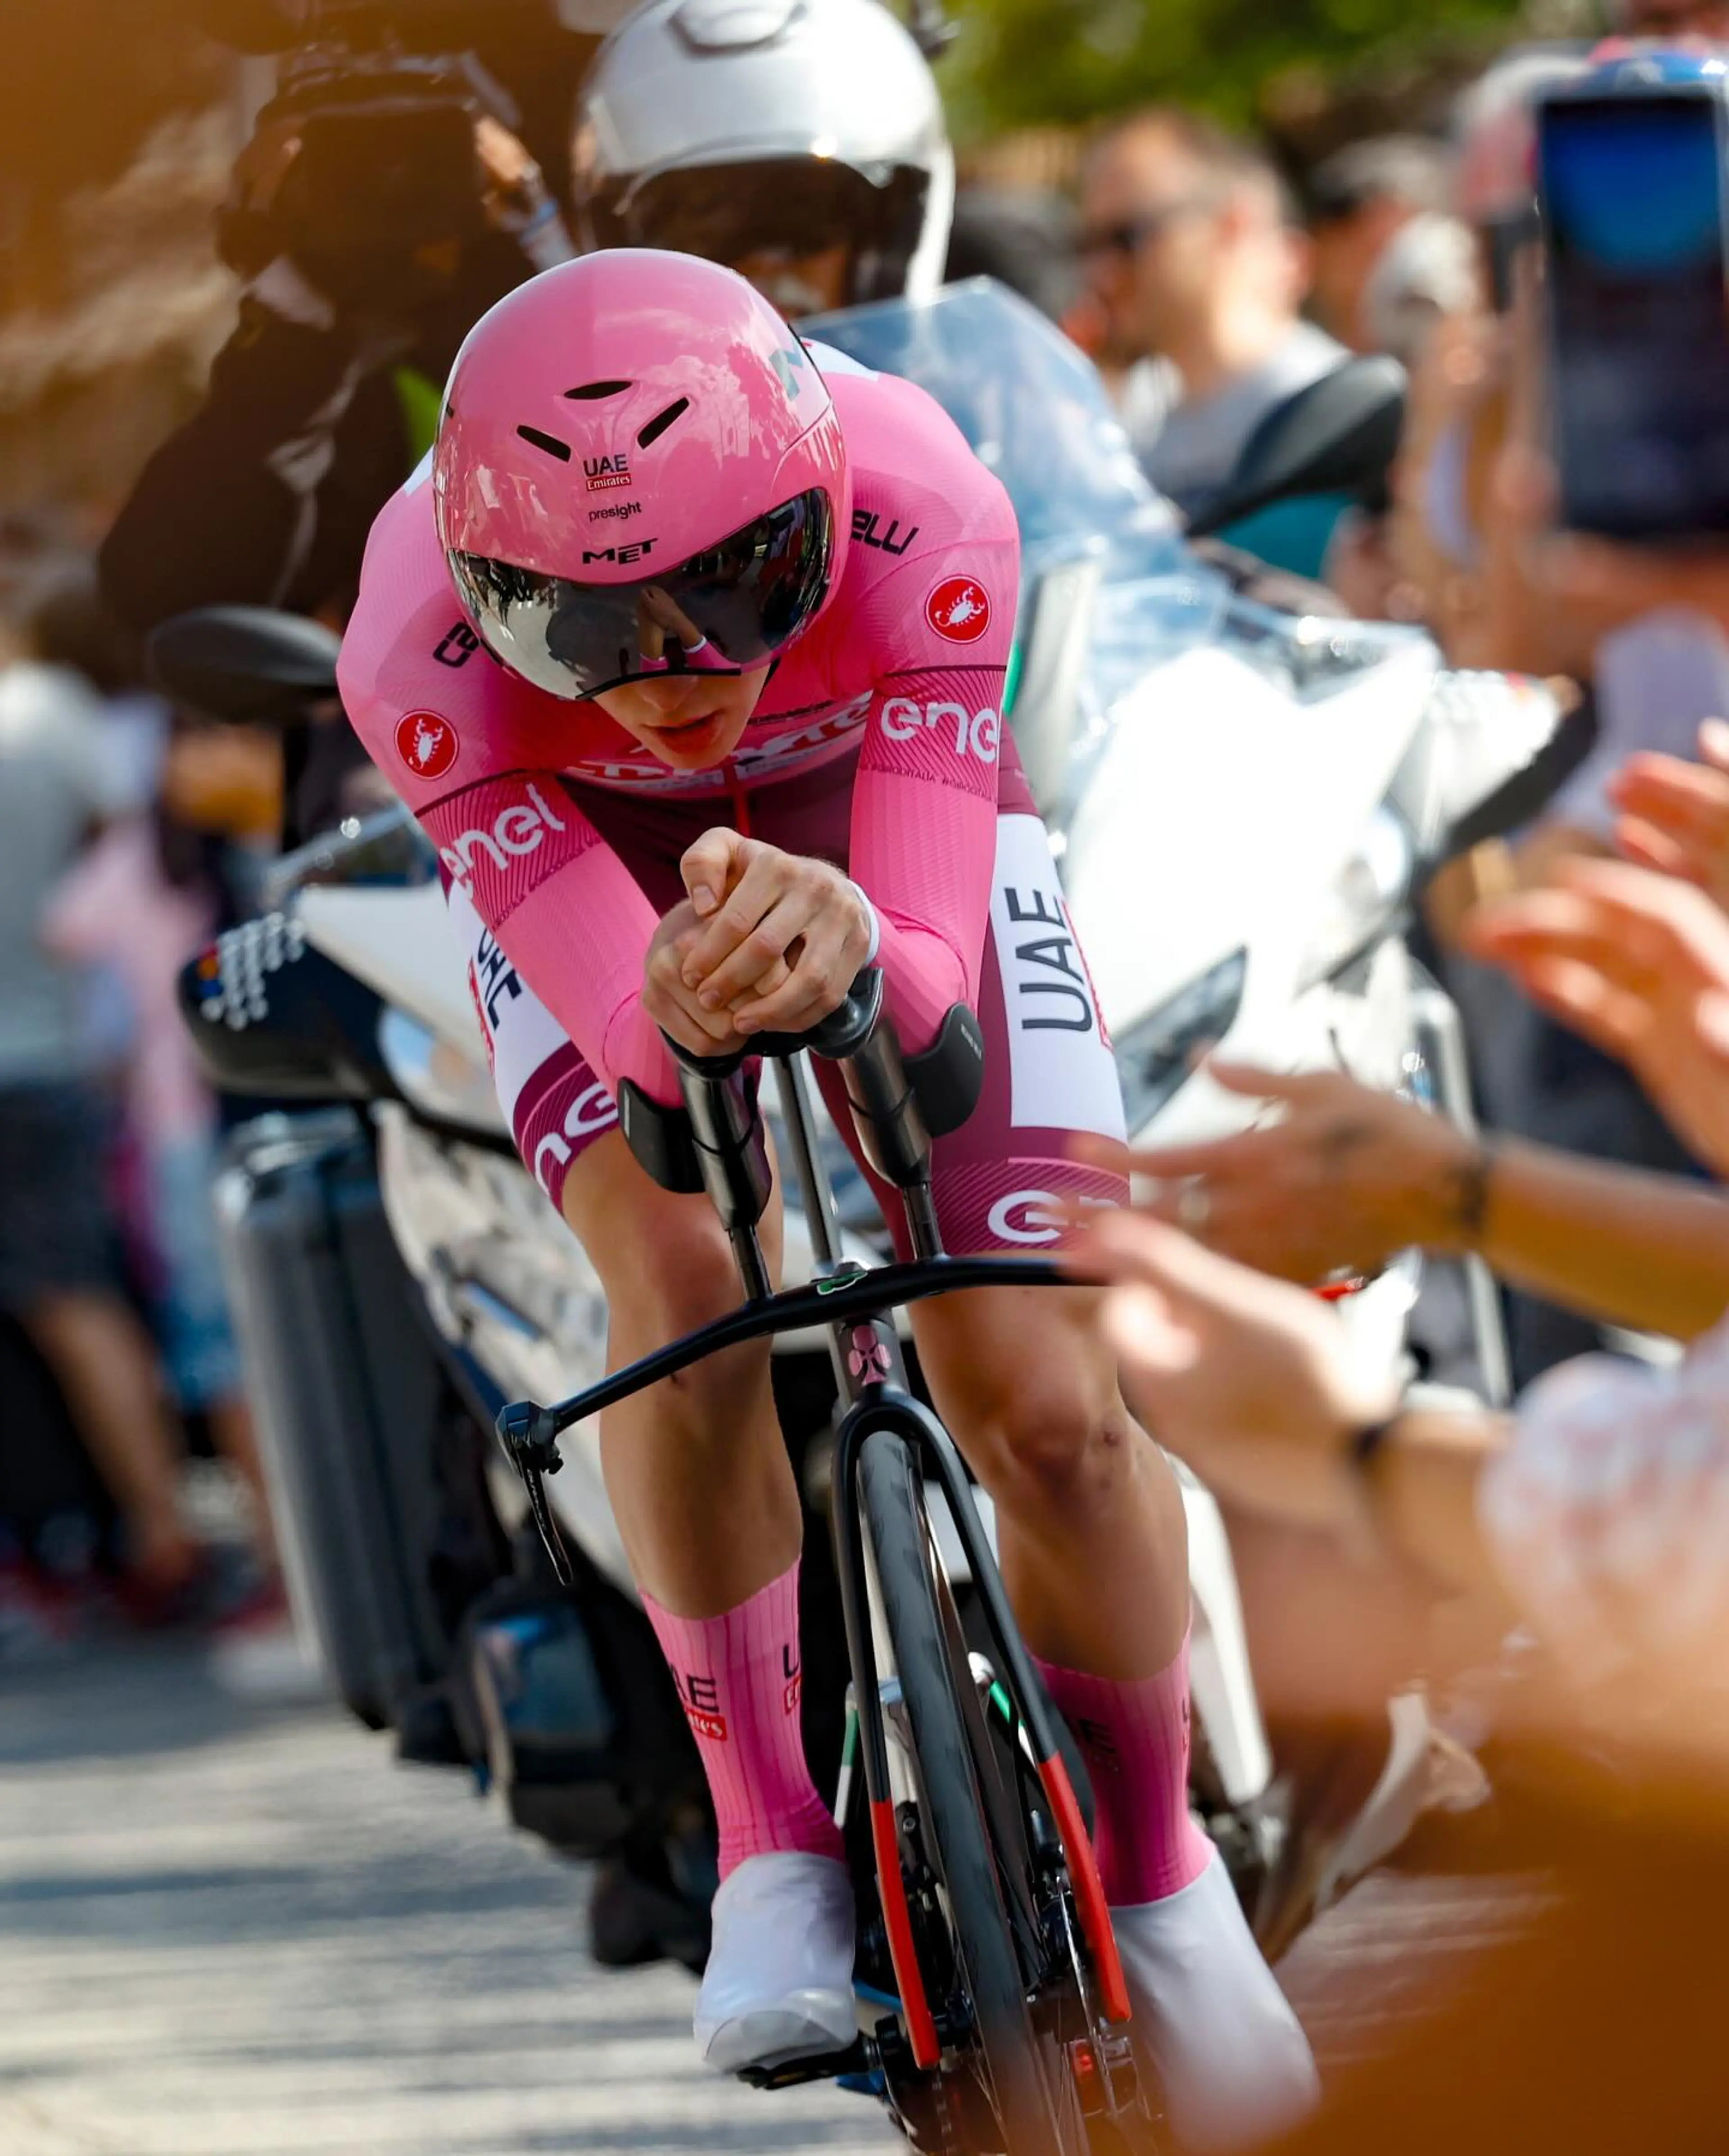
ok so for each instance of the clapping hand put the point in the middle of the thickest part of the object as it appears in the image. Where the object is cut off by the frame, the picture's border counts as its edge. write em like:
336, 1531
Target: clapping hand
1639, 964
1674, 813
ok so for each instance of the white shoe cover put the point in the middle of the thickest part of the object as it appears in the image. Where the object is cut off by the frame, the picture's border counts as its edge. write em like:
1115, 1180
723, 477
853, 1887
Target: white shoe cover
779, 1980
1233, 2061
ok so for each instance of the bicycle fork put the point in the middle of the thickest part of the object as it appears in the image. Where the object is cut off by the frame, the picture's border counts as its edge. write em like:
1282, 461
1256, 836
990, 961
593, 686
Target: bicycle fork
871, 1375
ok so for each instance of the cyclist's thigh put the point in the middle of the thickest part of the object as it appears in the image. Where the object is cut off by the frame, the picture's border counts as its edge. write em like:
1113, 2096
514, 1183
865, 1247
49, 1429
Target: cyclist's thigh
649, 1245
999, 1181
663, 1256
1049, 1075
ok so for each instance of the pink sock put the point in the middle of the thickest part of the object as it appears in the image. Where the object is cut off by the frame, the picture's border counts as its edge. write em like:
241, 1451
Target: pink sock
1135, 1740
739, 1681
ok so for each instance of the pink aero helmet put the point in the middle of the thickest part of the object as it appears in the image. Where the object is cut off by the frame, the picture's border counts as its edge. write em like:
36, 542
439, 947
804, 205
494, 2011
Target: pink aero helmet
638, 469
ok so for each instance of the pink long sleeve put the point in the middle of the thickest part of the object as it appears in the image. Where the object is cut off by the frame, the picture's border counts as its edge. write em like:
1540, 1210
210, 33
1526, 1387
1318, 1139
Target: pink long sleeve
923, 818
924, 835
566, 912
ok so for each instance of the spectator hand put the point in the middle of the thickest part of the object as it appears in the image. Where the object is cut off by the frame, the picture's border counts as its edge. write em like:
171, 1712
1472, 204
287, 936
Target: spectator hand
1346, 1177
1675, 814
517, 199
1248, 1380
1639, 964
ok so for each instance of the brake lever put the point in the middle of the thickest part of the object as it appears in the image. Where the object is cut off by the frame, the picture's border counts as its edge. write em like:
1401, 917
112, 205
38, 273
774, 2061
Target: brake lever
529, 1434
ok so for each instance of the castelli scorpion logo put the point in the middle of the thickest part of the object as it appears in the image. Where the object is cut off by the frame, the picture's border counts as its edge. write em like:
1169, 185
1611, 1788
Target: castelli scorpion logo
868, 1357
959, 608
426, 743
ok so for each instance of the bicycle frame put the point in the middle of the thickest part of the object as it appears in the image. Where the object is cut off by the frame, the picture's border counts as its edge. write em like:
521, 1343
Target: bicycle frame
856, 1304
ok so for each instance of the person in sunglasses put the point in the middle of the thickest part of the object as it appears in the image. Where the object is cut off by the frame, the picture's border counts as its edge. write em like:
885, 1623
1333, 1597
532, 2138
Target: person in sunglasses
1192, 256
687, 647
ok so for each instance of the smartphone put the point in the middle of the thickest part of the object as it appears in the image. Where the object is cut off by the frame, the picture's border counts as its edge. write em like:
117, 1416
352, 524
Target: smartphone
1631, 197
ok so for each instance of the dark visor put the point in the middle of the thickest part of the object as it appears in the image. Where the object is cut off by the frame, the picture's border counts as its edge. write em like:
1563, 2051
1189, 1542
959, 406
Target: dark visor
798, 206
728, 608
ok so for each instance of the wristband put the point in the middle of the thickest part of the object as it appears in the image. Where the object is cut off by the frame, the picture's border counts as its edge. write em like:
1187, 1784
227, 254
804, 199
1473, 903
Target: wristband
544, 240
1471, 1202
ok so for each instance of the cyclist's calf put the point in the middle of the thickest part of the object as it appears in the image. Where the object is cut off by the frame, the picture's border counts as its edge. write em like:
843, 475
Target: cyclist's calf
695, 1468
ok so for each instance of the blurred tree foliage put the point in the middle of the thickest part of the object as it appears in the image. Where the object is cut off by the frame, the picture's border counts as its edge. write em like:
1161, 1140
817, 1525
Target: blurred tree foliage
1033, 62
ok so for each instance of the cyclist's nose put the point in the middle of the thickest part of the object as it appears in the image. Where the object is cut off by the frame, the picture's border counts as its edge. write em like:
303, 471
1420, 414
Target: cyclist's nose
666, 699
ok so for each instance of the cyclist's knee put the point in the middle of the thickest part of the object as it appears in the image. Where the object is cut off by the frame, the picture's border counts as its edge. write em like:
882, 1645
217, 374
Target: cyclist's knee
1047, 1425
668, 1282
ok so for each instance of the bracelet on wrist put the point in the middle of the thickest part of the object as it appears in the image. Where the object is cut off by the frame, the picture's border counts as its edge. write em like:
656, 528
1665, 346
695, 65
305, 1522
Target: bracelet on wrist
1471, 1194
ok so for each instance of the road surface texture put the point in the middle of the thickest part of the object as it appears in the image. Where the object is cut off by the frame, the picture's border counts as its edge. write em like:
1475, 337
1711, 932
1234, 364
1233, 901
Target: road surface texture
226, 1931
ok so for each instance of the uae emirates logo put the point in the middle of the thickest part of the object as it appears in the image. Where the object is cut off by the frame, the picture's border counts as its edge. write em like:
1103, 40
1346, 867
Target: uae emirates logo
959, 609
427, 744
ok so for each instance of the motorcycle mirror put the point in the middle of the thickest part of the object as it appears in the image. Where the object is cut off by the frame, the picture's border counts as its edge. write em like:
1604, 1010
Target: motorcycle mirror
1491, 755
1054, 660
1496, 807
250, 666
1339, 435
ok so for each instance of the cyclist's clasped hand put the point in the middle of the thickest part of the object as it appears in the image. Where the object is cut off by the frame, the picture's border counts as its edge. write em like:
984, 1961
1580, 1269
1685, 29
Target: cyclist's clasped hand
781, 938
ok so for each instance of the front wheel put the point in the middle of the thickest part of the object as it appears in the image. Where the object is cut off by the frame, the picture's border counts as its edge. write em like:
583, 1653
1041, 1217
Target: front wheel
1024, 2082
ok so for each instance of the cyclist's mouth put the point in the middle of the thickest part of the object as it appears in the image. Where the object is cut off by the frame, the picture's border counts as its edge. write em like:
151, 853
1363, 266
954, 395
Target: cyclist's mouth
689, 737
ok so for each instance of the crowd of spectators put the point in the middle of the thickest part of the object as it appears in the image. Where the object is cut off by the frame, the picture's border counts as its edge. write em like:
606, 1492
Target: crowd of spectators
126, 835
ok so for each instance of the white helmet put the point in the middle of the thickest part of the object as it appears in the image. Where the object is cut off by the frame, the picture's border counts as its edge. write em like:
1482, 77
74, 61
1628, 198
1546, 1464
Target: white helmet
733, 128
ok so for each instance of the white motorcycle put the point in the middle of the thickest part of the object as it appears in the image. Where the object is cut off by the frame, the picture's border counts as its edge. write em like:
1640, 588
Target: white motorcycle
1245, 802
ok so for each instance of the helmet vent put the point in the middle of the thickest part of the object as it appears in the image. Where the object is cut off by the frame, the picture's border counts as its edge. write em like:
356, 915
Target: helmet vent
550, 442
591, 390
661, 421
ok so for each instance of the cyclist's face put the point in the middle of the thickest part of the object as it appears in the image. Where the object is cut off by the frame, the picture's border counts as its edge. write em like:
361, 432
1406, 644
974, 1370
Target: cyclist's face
690, 722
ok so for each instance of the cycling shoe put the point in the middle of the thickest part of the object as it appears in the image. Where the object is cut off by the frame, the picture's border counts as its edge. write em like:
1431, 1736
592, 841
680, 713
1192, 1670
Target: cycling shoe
1231, 2057
779, 1981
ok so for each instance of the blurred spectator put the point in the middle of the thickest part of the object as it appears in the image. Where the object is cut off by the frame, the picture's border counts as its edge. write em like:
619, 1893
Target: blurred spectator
1672, 18
1190, 250
1425, 274
62, 775
1457, 414
1359, 199
1425, 284
1471, 552
326, 395
138, 903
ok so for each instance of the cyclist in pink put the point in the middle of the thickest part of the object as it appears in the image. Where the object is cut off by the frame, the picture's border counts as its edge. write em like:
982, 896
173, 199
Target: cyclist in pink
687, 647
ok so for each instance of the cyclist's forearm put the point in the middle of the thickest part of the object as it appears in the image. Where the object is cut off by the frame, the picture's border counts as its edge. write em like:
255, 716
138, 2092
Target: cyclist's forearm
1637, 1249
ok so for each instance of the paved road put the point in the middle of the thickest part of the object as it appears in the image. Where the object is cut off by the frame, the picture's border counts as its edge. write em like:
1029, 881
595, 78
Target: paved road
233, 1933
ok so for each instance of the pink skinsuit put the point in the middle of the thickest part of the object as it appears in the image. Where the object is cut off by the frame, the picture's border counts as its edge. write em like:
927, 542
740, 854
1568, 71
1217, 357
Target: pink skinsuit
877, 744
